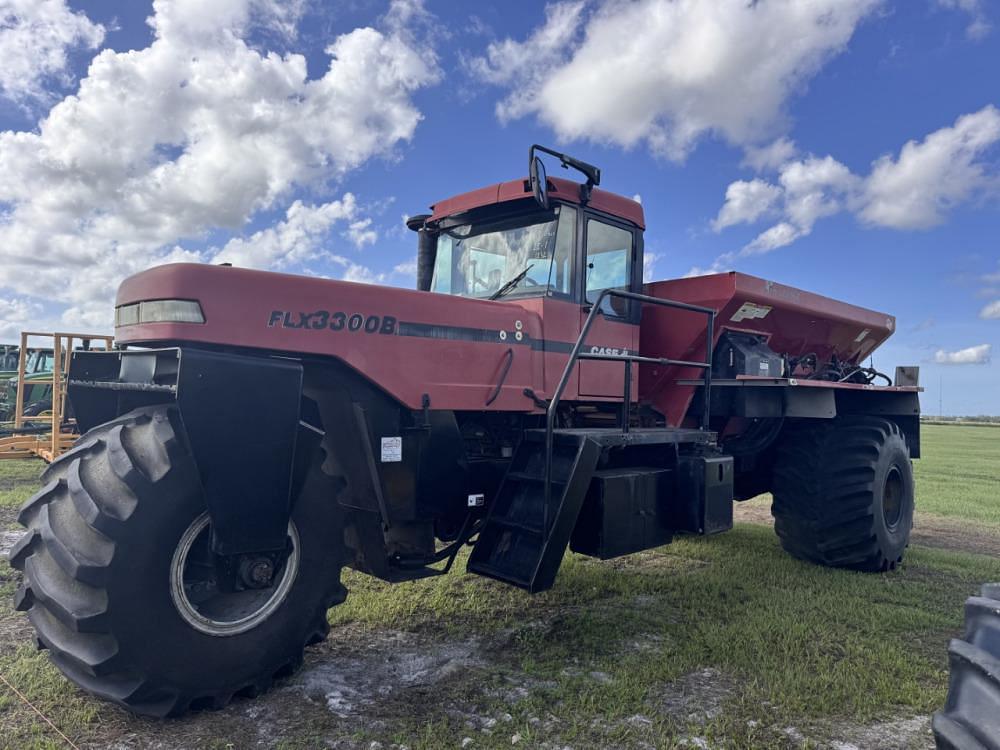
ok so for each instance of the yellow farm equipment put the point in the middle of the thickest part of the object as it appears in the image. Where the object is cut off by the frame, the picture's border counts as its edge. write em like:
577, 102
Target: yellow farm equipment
52, 431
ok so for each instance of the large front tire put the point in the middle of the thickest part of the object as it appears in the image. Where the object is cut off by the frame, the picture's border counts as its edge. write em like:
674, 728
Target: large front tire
100, 575
843, 493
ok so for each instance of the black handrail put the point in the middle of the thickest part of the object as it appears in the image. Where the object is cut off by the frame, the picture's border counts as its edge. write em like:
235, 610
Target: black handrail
628, 359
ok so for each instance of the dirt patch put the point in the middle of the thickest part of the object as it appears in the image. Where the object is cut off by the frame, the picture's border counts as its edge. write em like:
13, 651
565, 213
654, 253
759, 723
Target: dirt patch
753, 511
7, 541
929, 530
393, 663
960, 536
912, 733
652, 563
357, 691
695, 698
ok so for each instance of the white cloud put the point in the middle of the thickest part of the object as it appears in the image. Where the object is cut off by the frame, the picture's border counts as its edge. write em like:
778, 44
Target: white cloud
974, 355
771, 156
667, 72
815, 188
357, 272
771, 239
407, 269
915, 190
15, 316
361, 232
978, 29
918, 189
525, 65
649, 261
991, 311
746, 202
35, 36
196, 132
295, 240
979, 24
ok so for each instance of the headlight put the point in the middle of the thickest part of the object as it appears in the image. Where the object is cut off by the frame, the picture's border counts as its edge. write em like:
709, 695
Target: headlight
159, 311
126, 315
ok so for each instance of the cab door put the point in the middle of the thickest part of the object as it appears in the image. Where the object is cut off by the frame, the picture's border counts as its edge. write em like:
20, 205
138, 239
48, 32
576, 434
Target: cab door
611, 252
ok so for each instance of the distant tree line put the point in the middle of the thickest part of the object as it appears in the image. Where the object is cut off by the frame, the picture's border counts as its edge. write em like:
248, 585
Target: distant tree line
981, 419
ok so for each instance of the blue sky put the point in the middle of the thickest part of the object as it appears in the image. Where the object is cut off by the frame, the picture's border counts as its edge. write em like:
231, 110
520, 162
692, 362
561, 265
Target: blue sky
849, 147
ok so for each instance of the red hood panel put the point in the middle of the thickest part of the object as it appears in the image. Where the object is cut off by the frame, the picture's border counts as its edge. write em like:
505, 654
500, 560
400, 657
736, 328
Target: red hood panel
450, 347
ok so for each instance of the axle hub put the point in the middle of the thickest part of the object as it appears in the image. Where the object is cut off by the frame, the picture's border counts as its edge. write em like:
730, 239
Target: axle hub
256, 572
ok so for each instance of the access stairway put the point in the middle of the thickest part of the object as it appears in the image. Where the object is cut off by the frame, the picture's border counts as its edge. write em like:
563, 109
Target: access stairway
522, 542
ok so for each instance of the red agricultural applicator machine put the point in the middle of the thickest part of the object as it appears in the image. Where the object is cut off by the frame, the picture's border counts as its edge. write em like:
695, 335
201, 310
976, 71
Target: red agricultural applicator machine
256, 432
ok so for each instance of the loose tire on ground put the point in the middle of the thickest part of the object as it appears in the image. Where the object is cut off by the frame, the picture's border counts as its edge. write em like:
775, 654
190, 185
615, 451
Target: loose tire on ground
971, 716
843, 492
102, 536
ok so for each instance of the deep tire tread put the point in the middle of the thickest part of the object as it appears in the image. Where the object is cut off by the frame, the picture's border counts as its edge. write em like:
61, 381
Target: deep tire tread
90, 494
970, 719
824, 486
78, 606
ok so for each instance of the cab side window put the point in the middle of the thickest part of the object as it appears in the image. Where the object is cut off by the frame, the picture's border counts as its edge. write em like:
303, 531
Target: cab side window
560, 273
609, 260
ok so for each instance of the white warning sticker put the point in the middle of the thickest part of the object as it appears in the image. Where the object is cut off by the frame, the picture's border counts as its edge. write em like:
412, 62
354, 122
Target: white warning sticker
750, 311
861, 336
392, 449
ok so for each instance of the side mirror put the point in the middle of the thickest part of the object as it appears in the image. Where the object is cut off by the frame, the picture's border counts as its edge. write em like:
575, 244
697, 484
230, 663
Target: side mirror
539, 186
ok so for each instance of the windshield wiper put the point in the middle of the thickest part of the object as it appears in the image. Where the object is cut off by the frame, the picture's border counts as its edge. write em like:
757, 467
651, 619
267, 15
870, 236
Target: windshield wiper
508, 285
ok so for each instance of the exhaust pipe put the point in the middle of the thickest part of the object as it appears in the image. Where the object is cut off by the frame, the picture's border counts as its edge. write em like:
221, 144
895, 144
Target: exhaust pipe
426, 250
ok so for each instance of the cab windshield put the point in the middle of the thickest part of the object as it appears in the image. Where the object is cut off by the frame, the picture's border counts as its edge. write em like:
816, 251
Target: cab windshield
525, 255
39, 361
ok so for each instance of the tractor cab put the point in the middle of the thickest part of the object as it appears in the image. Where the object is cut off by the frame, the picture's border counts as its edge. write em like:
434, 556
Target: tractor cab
550, 246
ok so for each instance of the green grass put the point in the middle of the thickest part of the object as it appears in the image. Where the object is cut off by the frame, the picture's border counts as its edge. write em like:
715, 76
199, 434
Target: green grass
959, 474
809, 643
794, 645
18, 480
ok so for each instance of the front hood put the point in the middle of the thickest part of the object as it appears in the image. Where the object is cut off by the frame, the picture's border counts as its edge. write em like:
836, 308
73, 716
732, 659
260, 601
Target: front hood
284, 312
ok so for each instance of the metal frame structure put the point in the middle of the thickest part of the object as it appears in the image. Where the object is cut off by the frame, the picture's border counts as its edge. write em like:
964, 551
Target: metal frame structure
576, 354
30, 441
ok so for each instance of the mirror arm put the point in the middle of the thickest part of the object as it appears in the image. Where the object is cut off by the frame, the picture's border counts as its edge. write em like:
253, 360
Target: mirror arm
592, 173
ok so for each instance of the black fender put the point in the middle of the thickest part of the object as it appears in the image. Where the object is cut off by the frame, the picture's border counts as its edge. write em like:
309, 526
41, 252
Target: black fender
241, 421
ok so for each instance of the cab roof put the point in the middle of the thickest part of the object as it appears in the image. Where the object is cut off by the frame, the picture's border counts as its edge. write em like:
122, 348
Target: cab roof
558, 188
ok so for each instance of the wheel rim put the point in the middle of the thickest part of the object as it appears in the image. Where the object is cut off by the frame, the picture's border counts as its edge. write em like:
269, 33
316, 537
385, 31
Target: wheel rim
892, 498
203, 606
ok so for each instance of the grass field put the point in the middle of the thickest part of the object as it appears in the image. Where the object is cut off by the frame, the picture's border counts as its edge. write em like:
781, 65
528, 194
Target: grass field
959, 475
718, 643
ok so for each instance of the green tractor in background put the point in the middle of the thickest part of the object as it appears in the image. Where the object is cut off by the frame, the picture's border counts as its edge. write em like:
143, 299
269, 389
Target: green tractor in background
38, 384
8, 361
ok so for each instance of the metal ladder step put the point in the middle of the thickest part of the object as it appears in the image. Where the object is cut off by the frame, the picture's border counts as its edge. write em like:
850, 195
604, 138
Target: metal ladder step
519, 552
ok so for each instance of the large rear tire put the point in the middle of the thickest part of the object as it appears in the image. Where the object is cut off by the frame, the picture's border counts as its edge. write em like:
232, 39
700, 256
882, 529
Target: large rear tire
971, 716
843, 493
109, 538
